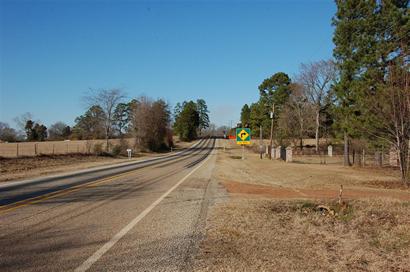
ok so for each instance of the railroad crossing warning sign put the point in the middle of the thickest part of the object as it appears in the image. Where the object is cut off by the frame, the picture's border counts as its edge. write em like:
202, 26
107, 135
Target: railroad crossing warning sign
243, 136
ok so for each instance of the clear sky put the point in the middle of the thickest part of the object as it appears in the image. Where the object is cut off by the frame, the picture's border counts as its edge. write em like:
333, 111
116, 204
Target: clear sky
52, 52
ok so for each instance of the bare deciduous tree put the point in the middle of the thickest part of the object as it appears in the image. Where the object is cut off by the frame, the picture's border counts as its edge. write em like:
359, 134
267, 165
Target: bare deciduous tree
21, 122
7, 133
107, 100
150, 121
297, 118
58, 131
317, 79
390, 108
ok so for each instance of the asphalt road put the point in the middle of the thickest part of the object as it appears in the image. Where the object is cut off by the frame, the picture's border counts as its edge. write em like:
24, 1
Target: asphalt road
139, 217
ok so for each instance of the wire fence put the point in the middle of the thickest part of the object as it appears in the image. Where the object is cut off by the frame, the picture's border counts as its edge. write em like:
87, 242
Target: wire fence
29, 149
333, 154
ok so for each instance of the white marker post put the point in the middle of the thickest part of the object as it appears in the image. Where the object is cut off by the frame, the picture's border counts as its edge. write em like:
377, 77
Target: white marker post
129, 151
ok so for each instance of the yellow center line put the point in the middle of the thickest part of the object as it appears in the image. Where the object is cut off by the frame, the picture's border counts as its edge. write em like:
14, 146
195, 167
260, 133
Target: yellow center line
22, 203
9, 207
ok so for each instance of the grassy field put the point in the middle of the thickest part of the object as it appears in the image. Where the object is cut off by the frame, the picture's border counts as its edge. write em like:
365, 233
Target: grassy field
28, 149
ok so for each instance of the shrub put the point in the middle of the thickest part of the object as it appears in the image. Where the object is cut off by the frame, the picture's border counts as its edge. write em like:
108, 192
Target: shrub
98, 149
116, 150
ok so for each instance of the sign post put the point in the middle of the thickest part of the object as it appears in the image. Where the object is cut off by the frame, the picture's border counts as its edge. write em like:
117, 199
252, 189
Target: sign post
243, 137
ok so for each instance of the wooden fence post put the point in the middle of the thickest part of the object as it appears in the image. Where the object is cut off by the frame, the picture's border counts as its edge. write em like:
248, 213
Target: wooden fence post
17, 150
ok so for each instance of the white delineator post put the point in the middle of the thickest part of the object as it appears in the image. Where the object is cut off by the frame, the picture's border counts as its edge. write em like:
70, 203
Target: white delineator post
129, 151
330, 150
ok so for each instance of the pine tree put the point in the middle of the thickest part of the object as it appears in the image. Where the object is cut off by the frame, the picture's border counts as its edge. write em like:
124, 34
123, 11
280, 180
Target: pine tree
371, 49
245, 115
203, 111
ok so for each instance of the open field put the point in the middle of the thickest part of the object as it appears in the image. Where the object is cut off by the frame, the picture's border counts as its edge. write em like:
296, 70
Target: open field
273, 221
28, 149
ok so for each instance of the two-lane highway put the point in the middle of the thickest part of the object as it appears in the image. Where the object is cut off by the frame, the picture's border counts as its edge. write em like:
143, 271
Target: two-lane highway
142, 216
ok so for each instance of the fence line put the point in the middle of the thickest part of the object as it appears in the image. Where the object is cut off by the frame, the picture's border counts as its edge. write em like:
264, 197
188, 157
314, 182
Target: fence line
358, 155
13, 150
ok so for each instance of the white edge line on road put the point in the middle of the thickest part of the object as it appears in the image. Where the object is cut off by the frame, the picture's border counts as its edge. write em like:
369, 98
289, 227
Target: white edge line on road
102, 250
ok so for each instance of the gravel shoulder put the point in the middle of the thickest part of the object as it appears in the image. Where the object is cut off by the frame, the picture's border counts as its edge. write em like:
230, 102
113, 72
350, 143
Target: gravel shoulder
286, 217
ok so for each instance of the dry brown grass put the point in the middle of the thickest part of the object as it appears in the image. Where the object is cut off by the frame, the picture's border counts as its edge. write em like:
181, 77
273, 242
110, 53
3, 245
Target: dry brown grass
271, 221
305, 173
270, 235
26, 149
28, 167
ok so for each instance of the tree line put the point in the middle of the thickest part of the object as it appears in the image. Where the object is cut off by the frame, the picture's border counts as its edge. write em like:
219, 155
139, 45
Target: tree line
108, 116
361, 95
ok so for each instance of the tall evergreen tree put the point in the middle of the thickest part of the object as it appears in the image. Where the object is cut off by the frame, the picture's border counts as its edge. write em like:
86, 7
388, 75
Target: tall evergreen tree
245, 115
273, 90
372, 51
187, 122
30, 132
121, 118
40, 131
203, 111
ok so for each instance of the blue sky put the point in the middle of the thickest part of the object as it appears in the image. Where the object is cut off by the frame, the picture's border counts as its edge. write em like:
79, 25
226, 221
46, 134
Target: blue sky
52, 52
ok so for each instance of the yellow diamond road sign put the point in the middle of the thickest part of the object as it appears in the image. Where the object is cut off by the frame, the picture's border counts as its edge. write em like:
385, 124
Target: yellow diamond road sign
243, 136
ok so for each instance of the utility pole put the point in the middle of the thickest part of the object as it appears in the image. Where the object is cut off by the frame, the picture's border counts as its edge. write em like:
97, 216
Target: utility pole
271, 131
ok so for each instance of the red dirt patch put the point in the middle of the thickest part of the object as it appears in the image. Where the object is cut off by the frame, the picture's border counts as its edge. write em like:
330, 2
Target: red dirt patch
234, 187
